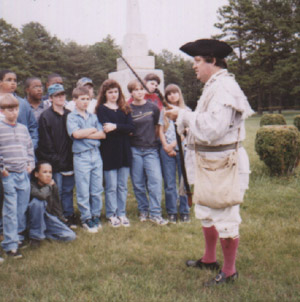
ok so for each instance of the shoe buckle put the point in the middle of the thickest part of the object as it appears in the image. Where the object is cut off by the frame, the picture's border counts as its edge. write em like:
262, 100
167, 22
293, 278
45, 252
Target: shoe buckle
218, 278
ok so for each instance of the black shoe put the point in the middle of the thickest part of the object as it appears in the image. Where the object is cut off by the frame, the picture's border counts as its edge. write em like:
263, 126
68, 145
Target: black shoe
214, 266
15, 254
172, 218
71, 222
22, 245
221, 278
35, 243
185, 218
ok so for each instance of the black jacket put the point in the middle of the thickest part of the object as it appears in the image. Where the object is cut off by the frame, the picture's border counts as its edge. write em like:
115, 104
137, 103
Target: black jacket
50, 195
55, 145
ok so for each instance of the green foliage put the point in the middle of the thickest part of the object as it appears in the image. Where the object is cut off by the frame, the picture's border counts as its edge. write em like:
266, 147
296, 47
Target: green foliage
265, 37
297, 121
11, 49
272, 119
279, 148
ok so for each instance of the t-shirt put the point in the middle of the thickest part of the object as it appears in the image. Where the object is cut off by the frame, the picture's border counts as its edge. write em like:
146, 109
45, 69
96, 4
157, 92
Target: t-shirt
145, 118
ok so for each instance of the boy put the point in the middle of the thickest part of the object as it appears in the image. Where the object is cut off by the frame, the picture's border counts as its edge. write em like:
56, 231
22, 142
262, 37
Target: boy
152, 81
85, 130
88, 83
8, 84
16, 162
55, 147
145, 157
34, 93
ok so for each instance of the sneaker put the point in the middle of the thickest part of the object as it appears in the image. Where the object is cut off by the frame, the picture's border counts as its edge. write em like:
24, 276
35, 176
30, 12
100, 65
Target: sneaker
1, 259
14, 254
34, 243
89, 226
214, 266
71, 222
114, 221
172, 218
158, 220
143, 217
22, 245
185, 218
97, 222
221, 279
124, 221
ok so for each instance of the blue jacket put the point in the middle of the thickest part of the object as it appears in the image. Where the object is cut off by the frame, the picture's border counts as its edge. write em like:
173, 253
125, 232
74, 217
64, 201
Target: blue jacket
26, 117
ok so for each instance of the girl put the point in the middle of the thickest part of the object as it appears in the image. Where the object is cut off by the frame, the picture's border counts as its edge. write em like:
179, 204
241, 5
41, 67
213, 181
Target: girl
45, 211
170, 160
145, 169
114, 114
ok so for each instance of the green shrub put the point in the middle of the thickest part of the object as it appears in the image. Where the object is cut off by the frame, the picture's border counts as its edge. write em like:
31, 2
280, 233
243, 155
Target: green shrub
279, 148
297, 121
272, 119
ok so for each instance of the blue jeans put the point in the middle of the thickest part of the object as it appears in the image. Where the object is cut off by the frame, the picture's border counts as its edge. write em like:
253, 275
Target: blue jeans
16, 198
88, 177
169, 166
145, 168
116, 191
65, 186
44, 225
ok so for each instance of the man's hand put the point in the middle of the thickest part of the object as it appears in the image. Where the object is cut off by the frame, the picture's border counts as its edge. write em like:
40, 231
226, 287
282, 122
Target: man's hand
172, 114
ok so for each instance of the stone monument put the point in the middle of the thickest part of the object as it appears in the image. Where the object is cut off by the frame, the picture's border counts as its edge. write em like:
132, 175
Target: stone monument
135, 51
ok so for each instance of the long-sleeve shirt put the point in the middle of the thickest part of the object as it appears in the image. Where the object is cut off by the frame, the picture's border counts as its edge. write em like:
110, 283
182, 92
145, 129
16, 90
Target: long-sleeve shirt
50, 195
16, 149
27, 118
115, 148
220, 112
55, 145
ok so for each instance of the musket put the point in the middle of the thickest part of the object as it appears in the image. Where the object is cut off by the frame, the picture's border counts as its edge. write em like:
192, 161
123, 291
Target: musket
133, 71
183, 170
178, 138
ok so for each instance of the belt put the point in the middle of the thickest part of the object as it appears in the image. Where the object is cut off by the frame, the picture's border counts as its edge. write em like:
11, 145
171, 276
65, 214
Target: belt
219, 148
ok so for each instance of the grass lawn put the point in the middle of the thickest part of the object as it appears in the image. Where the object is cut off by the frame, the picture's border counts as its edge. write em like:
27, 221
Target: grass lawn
147, 262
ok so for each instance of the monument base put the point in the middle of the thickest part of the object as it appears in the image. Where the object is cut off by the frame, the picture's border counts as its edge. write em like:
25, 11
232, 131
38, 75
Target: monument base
123, 77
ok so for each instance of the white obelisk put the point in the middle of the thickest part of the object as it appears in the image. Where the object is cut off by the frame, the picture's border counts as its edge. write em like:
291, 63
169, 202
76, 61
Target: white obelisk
135, 51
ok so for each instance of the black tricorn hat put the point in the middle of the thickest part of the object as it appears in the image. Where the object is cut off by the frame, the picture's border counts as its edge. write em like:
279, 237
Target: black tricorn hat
207, 47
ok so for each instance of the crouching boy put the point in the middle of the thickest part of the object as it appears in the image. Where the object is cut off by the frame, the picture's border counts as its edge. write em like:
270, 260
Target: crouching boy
86, 132
16, 162
45, 209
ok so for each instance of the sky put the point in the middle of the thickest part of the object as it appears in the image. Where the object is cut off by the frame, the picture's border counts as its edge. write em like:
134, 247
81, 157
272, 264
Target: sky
168, 24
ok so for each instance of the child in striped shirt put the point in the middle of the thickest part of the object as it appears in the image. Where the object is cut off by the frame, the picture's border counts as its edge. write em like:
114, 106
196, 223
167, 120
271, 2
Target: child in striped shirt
16, 162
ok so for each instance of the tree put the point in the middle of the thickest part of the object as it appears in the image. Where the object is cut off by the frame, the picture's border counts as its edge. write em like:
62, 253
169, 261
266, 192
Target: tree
11, 49
263, 35
41, 50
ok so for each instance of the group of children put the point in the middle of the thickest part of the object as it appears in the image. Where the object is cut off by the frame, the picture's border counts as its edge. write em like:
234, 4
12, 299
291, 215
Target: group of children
79, 143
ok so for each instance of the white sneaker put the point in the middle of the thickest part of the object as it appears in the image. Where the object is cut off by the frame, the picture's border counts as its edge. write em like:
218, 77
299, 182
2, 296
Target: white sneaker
114, 221
158, 220
124, 221
1, 259
90, 226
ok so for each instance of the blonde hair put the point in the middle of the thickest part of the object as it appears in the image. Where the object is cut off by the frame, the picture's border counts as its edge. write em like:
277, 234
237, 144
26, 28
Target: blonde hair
7, 100
181, 104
